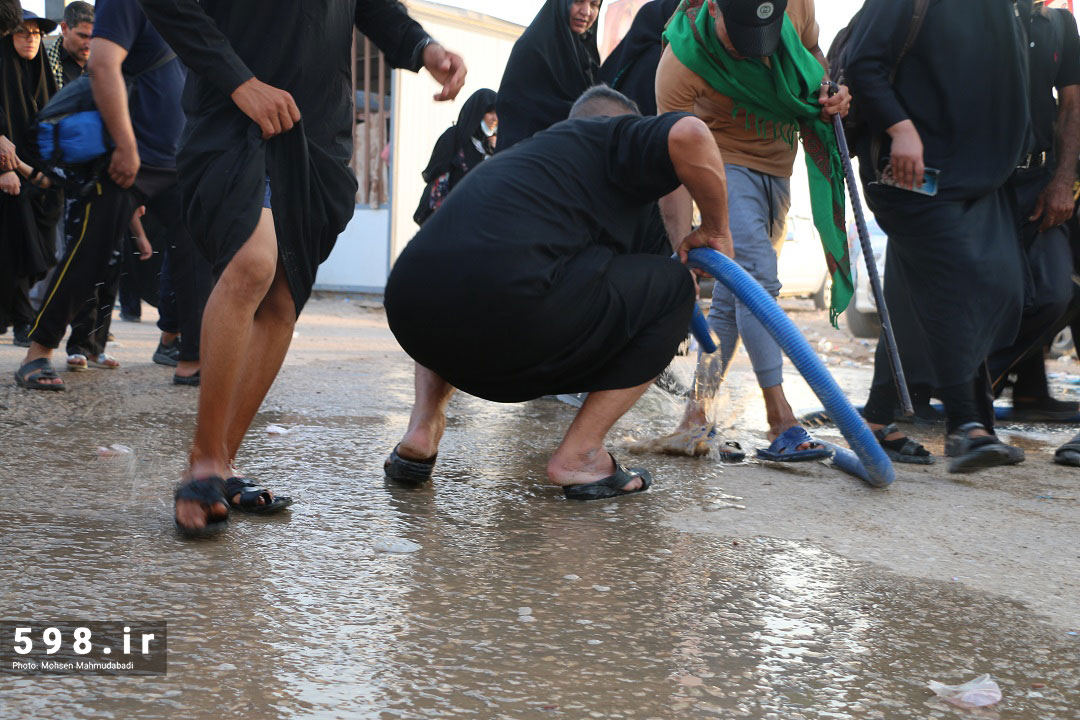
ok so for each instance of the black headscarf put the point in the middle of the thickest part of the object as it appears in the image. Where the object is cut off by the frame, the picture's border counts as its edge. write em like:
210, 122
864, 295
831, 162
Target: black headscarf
25, 87
631, 67
549, 67
458, 137
27, 220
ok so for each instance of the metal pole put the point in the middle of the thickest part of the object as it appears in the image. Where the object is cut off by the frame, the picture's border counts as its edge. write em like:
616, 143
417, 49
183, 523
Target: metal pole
871, 266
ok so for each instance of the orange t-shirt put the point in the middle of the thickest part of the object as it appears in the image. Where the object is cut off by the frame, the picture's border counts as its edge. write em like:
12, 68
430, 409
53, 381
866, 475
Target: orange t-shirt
679, 89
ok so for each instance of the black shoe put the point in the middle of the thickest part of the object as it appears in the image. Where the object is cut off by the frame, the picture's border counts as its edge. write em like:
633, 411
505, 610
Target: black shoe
168, 354
22, 336
130, 318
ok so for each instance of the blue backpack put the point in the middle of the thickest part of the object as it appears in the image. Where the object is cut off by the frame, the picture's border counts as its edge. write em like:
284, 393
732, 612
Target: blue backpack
70, 132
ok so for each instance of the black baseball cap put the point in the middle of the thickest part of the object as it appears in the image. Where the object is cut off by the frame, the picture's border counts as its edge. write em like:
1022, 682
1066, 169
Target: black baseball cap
753, 25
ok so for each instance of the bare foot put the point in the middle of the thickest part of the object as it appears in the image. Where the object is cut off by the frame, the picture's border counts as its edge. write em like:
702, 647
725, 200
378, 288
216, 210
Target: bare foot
421, 441
36, 352
690, 442
195, 515
234, 472
187, 368
585, 468
776, 430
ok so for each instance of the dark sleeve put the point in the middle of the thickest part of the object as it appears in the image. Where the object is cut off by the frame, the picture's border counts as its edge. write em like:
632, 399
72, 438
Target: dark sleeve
388, 25
875, 44
118, 21
639, 161
1069, 72
196, 38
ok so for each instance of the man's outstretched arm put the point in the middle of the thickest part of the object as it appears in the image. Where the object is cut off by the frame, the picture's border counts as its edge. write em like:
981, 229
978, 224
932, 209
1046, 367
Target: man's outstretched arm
406, 44
699, 166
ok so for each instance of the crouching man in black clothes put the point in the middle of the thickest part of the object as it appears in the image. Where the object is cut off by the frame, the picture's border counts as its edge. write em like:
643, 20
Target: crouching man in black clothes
554, 252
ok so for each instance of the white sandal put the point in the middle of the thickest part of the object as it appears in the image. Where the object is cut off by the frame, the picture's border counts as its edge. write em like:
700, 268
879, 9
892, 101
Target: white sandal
76, 362
104, 361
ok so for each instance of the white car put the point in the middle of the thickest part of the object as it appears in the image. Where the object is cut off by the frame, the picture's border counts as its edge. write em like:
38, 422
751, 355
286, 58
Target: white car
801, 267
861, 315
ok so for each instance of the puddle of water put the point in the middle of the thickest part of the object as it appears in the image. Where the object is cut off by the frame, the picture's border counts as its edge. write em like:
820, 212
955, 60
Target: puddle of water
296, 615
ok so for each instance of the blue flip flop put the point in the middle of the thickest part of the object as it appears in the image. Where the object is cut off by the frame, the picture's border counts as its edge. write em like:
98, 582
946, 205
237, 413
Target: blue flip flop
783, 448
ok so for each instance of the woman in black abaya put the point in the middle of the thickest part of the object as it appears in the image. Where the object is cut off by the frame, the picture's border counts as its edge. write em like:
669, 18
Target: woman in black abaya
552, 63
462, 147
631, 66
28, 215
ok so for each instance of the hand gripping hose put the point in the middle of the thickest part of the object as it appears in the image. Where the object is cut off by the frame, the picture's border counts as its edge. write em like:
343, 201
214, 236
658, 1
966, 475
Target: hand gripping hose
869, 462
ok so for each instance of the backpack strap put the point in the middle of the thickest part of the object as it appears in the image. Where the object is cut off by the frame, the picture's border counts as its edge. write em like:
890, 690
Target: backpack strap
918, 15
161, 62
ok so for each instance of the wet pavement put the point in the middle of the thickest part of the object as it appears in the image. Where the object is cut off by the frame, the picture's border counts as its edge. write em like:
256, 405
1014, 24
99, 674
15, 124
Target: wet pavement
727, 591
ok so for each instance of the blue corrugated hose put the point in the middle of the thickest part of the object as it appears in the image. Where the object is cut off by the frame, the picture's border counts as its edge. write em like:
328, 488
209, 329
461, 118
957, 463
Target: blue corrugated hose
700, 327
869, 462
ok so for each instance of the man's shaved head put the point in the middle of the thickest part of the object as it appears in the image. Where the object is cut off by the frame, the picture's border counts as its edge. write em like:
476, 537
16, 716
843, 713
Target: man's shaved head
602, 101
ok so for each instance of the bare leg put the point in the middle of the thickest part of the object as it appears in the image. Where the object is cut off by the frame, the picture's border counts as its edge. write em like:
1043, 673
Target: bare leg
428, 419
694, 436
582, 458
226, 335
271, 335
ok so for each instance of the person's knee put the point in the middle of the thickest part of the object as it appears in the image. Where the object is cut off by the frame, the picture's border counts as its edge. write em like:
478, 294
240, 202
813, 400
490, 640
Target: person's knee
249, 276
278, 303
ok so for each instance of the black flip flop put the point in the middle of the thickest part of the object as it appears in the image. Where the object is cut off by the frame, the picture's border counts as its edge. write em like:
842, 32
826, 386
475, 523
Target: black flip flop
208, 491
902, 450
31, 374
250, 494
611, 486
408, 472
1069, 453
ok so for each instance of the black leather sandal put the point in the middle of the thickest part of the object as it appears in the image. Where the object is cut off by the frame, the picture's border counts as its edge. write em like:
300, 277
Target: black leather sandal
250, 494
902, 450
611, 486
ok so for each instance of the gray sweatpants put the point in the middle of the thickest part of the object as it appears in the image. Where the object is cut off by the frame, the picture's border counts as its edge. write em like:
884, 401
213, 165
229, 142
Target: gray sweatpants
757, 206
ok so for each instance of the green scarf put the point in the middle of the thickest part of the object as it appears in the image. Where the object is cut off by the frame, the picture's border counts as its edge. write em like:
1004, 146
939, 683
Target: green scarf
780, 100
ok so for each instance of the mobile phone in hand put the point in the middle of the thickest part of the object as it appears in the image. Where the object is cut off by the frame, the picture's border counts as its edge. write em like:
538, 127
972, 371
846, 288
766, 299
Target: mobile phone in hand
929, 187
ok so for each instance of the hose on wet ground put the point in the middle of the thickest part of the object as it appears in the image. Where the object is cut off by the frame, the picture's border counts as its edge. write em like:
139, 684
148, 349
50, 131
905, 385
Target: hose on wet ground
868, 461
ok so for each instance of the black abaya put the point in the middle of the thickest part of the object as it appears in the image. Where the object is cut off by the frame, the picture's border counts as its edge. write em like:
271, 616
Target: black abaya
544, 271
456, 152
549, 67
224, 163
954, 278
631, 66
27, 220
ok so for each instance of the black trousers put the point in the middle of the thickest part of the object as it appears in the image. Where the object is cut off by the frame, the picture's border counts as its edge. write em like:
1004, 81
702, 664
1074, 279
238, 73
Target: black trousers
1048, 295
186, 276
106, 216
93, 320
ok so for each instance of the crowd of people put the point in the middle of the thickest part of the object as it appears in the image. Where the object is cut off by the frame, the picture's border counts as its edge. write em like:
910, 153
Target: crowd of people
551, 210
